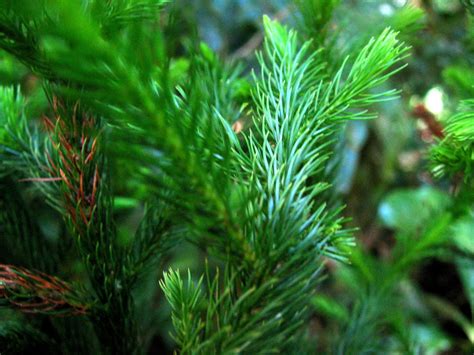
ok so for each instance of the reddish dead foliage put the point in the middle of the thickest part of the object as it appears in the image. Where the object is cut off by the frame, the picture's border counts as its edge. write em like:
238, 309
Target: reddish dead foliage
36, 292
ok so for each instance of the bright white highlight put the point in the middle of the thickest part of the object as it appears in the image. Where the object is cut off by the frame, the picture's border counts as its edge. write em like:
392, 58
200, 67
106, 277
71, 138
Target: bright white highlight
434, 100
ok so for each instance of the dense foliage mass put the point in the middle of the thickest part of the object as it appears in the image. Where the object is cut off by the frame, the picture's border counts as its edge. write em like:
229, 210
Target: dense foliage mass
205, 179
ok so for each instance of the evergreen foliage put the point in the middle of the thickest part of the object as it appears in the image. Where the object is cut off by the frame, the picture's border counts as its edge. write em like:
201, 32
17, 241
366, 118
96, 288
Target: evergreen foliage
240, 166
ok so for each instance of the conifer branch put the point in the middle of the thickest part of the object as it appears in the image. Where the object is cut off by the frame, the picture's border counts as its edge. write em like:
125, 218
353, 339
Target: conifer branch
155, 236
186, 300
255, 199
455, 152
35, 292
283, 158
77, 159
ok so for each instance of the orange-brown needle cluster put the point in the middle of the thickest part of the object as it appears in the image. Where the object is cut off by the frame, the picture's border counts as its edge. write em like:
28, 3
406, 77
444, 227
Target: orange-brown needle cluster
36, 292
74, 136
